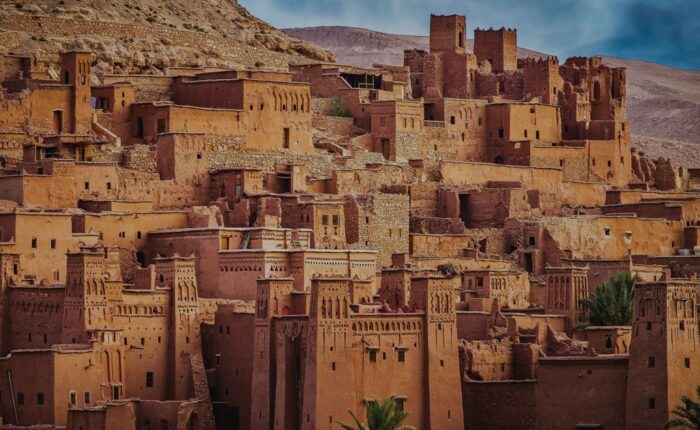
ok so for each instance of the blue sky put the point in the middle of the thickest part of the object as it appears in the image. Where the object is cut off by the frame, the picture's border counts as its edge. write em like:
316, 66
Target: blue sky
662, 31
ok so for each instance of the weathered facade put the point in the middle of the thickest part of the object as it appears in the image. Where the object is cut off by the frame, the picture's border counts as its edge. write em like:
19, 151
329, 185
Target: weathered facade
270, 249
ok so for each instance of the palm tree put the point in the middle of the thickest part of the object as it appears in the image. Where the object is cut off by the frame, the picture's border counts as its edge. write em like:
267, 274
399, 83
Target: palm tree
611, 304
381, 415
688, 414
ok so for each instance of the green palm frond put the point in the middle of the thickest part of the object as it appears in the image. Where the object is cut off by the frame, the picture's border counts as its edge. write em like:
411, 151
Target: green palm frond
381, 415
611, 304
687, 413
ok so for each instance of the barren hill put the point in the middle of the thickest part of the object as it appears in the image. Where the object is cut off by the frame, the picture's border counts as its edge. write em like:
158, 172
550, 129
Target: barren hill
663, 102
143, 35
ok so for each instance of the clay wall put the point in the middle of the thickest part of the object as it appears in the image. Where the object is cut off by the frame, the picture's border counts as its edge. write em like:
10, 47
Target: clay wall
370, 179
396, 126
499, 47
483, 405
378, 221
277, 114
566, 383
460, 133
542, 80
148, 88
439, 245
58, 377
326, 219
230, 362
448, 33
510, 124
554, 191
572, 160
130, 230
609, 340
42, 257
614, 237
34, 320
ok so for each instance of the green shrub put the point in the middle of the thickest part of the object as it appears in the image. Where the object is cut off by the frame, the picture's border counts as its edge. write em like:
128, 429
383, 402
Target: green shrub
339, 109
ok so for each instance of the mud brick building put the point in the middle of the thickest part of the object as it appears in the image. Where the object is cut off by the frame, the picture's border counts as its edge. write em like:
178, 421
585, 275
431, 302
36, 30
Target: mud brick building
257, 248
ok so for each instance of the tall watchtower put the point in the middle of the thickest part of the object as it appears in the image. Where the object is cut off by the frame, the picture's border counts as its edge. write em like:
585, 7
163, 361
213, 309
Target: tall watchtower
448, 33
85, 303
498, 47
438, 296
178, 274
664, 352
329, 363
75, 71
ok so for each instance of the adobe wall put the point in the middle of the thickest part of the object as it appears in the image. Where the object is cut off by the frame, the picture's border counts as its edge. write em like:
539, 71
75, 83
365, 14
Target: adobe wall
573, 160
378, 221
322, 105
499, 47
42, 256
554, 191
566, 383
497, 405
148, 88
370, 179
230, 368
613, 237
439, 245
340, 127
34, 318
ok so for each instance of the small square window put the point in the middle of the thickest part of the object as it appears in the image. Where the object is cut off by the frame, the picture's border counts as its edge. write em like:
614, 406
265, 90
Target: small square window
652, 403
402, 356
20, 398
86, 397
73, 398
149, 379
324, 219
651, 362
336, 219
452, 120
53, 243
86, 185
608, 342
687, 362
39, 399
373, 356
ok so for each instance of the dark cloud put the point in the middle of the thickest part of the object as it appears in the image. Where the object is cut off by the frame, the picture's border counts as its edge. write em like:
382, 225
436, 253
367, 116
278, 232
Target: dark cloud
662, 31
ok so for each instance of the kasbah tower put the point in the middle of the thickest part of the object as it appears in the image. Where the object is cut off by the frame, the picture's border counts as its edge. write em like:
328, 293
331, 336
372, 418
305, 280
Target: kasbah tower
278, 245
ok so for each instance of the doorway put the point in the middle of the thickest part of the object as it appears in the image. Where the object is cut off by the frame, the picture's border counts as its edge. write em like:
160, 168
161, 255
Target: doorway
58, 121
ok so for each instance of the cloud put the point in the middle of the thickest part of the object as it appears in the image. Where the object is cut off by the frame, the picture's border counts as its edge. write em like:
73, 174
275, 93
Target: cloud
664, 31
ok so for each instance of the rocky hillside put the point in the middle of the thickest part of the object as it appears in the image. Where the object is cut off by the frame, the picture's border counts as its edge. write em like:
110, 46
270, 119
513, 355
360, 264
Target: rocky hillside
362, 47
146, 35
663, 102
